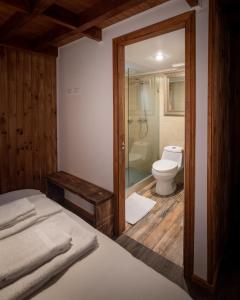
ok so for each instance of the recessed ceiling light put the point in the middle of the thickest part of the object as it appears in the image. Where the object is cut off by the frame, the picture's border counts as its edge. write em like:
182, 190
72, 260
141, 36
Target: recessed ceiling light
159, 56
178, 65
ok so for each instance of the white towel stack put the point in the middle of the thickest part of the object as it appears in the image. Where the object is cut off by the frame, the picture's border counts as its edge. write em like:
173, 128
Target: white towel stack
24, 252
35, 248
13, 212
42, 209
83, 242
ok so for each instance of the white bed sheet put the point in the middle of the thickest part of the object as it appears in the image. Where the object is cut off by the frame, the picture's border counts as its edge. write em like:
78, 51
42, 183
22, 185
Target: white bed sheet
109, 273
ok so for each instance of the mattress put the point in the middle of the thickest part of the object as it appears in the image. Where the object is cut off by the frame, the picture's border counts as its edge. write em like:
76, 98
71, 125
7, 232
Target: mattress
109, 273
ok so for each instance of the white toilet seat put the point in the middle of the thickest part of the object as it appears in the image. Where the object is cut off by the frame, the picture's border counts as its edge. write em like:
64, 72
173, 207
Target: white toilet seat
164, 166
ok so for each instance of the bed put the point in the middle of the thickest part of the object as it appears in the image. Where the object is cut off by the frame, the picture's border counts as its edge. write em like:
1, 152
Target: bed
108, 273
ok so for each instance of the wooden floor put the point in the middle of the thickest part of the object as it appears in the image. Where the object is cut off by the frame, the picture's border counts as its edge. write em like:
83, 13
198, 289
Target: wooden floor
229, 279
157, 239
162, 229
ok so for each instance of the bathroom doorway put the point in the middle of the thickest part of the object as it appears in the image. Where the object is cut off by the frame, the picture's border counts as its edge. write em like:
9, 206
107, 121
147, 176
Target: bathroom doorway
154, 144
185, 22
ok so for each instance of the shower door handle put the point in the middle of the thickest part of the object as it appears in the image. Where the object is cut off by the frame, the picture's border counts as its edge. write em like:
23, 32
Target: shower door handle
123, 146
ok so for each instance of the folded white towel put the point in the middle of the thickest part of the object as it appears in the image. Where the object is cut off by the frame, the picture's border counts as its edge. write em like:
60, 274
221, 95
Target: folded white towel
44, 208
18, 227
83, 242
26, 251
14, 212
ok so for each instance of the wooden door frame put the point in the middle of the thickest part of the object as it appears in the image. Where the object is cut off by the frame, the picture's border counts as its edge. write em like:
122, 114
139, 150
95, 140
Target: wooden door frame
184, 21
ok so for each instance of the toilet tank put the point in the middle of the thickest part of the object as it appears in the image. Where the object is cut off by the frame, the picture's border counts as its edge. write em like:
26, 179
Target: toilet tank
174, 153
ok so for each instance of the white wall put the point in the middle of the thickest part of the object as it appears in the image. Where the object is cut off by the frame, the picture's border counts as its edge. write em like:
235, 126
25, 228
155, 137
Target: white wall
86, 120
200, 238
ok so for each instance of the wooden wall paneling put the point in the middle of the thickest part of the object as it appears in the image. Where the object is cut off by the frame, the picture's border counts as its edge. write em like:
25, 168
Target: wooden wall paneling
48, 113
12, 105
4, 170
35, 145
219, 175
53, 116
20, 119
49, 135
28, 121
235, 141
42, 118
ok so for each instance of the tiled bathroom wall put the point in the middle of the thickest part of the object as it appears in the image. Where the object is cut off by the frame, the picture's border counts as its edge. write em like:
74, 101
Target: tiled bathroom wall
171, 128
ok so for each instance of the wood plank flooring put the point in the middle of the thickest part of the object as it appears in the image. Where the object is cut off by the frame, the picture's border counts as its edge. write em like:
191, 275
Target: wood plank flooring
229, 281
162, 229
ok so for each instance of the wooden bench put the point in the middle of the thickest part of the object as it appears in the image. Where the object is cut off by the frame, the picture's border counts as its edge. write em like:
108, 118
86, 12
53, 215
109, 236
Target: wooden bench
100, 199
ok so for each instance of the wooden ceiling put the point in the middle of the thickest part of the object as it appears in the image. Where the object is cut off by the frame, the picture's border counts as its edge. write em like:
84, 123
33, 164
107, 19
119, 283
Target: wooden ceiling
44, 25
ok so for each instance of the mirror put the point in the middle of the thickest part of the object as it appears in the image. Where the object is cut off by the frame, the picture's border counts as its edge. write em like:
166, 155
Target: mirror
175, 94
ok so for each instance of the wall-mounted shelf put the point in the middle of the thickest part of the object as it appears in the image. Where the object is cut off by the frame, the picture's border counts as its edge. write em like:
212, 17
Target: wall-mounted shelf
101, 199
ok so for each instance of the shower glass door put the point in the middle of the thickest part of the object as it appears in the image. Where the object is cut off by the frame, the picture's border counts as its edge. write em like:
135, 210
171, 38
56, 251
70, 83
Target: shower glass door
142, 126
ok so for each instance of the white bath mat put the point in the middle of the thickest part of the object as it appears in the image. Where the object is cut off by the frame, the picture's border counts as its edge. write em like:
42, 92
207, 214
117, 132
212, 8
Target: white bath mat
136, 207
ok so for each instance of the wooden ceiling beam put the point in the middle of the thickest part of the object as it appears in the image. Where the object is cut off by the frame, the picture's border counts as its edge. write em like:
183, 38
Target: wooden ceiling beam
15, 5
93, 33
90, 18
15, 22
62, 16
55, 13
193, 3
39, 6
49, 36
72, 25
104, 10
19, 19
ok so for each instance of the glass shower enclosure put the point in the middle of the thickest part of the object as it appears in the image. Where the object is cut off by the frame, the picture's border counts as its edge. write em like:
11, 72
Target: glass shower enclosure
141, 125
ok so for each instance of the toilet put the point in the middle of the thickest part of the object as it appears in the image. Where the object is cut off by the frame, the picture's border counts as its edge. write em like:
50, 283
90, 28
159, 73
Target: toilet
166, 169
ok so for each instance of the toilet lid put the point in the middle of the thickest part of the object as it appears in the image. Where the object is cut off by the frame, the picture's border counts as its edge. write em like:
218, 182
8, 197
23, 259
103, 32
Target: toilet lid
164, 165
